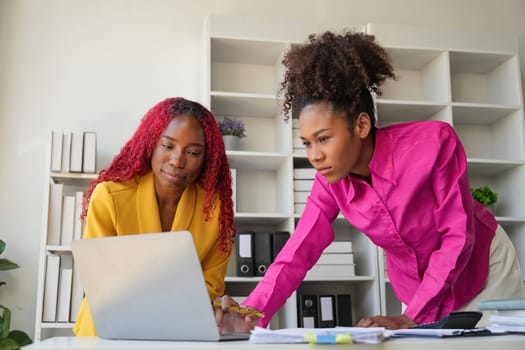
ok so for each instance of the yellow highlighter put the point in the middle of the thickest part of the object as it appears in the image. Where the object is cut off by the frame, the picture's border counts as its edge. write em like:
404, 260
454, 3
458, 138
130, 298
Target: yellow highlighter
245, 310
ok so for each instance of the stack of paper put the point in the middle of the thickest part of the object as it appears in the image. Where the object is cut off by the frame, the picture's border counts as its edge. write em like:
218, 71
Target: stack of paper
507, 315
303, 181
372, 335
501, 323
297, 143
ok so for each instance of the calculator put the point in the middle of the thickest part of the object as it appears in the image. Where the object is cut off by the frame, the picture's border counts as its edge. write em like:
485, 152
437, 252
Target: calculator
455, 320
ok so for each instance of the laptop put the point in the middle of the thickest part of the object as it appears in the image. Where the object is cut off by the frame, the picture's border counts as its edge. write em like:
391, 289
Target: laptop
147, 287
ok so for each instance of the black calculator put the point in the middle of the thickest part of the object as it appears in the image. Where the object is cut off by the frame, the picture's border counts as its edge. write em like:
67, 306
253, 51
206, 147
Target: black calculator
455, 320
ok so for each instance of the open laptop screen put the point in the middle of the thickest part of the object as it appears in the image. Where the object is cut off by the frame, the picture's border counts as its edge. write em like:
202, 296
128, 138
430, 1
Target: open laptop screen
146, 286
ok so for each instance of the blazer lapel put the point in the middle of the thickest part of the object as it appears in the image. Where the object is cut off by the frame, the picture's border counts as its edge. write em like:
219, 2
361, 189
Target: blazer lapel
147, 208
185, 209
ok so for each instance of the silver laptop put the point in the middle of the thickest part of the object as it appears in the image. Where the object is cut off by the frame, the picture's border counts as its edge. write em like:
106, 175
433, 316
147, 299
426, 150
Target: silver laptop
147, 287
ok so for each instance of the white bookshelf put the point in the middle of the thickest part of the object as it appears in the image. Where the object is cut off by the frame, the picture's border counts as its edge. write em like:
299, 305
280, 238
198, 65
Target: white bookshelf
469, 80
57, 326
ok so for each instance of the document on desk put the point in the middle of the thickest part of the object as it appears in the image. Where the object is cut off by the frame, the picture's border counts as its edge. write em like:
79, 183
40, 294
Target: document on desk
509, 324
372, 335
438, 333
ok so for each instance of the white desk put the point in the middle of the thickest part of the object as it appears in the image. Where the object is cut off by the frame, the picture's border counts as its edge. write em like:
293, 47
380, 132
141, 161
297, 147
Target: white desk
506, 342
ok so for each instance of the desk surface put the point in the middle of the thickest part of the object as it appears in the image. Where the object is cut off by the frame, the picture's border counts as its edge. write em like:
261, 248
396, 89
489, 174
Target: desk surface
504, 342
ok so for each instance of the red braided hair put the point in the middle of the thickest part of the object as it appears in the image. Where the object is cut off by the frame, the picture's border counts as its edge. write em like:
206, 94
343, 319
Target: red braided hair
134, 159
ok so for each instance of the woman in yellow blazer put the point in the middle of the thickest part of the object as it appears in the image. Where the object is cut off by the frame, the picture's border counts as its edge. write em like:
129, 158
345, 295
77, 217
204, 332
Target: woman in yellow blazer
173, 174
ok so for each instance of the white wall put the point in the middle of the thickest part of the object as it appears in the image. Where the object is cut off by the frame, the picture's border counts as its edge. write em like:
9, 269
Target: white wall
100, 64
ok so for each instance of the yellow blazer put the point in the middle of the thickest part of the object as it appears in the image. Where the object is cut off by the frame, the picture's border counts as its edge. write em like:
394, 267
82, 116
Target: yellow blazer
131, 207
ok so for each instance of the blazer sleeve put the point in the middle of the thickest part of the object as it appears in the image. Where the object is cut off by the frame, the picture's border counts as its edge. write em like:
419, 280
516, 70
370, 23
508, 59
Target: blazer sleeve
302, 250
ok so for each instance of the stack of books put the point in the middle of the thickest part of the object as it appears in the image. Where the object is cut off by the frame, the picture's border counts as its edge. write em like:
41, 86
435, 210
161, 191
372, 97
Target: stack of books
297, 143
74, 151
336, 261
63, 292
303, 182
64, 222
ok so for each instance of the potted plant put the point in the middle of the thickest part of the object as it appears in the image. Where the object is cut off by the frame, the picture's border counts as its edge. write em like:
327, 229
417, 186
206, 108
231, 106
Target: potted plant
232, 131
485, 195
9, 339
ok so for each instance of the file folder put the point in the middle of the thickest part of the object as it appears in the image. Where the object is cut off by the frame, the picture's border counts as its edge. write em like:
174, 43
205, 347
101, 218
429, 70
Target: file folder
326, 311
244, 253
307, 311
344, 310
262, 252
278, 241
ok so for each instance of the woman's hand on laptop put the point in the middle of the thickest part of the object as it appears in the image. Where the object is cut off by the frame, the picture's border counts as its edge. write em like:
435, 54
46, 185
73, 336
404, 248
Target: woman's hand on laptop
229, 321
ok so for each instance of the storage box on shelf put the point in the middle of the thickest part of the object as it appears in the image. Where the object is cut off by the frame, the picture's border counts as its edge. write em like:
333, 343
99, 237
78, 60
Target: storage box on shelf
59, 291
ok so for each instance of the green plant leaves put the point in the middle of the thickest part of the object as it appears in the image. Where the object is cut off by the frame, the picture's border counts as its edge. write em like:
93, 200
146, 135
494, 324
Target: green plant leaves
6, 264
5, 322
8, 344
21, 338
11, 339
484, 195
15, 339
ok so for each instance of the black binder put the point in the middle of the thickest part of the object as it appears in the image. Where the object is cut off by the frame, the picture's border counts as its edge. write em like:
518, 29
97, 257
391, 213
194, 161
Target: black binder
307, 316
326, 311
244, 253
279, 239
262, 252
343, 304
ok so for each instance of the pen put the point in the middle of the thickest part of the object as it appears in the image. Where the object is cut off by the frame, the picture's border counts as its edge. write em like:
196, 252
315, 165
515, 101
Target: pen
245, 310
